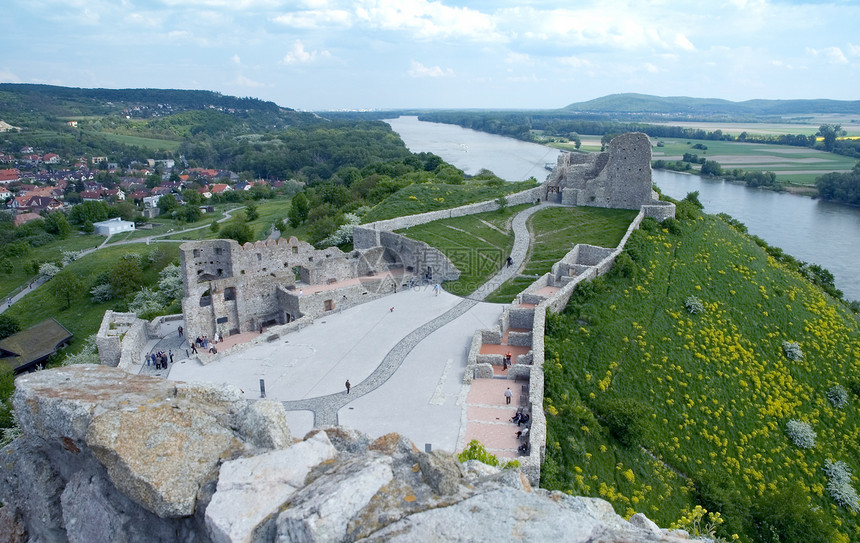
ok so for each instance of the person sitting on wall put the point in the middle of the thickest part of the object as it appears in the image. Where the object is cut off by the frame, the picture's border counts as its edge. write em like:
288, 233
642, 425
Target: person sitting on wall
523, 434
524, 419
213, 350
518, 417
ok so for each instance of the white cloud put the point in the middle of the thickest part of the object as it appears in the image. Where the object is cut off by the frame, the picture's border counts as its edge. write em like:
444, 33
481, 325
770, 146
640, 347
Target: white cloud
236, 60
313, 19
518, 58
419, 70
575, 62
298, 55
685, 44
853, 50
6, 76
833, 55
243, 81
421, 19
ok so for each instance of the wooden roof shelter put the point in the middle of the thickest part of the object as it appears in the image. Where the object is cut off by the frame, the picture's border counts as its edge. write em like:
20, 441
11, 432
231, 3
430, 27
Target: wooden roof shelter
27, 349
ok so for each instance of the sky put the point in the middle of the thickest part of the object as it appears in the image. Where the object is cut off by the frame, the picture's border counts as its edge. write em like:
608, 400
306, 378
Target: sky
379, 54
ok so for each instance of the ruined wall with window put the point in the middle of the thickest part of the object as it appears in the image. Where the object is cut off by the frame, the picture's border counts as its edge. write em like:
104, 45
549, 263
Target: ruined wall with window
234, 289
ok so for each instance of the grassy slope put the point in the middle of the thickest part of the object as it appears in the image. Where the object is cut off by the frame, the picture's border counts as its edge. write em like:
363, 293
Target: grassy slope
424, 197
83, 317
720, 386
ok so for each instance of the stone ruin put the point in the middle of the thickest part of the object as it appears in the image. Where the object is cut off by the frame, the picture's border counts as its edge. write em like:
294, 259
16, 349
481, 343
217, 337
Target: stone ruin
109, 456
233, 289
617, 178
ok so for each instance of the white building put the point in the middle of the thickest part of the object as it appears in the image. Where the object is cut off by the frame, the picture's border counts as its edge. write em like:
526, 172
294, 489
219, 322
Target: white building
113, 226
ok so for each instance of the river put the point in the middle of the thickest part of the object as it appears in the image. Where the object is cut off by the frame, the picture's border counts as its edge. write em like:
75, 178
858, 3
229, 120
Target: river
811, 230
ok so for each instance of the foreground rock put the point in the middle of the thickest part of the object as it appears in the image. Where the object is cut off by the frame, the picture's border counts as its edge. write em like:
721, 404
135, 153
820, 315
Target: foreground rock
106, 456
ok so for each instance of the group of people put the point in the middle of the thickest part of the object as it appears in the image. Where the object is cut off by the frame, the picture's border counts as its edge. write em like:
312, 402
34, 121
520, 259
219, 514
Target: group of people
521, 418
159, 359
506, 362
203, 341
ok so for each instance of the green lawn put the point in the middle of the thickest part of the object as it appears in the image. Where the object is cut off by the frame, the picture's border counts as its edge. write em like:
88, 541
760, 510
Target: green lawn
717, 384
556, 230
476, 244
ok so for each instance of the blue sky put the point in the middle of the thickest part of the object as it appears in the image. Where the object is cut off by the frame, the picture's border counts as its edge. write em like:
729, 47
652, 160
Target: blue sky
332, 54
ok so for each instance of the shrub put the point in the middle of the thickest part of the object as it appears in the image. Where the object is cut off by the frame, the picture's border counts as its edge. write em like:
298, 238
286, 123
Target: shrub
694, 305
839, 485
624, 265
476, 451
672, 225
628, 419
687, 211
101, 293
838, 396
785, 516
49, 269
800, 433
792, 350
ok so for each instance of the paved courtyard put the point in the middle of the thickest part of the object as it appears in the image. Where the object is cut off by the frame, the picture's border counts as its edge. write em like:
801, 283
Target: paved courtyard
422, 399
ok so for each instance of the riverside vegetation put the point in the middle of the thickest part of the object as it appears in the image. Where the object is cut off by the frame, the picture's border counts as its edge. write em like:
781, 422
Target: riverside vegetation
710, 384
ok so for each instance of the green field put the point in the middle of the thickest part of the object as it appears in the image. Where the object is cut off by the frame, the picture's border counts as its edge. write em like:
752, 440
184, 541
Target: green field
702, 400
798, 165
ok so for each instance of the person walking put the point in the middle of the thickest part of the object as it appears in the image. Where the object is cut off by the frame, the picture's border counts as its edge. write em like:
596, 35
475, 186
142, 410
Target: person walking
348, 386
508, 395
180, 331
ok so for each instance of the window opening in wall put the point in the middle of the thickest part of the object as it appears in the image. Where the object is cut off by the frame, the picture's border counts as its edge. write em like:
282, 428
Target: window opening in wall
328, 305
295, 250
220, 271
230, 293
206, 299
286, 265
218, 250
259, 257
196, 253
310, 259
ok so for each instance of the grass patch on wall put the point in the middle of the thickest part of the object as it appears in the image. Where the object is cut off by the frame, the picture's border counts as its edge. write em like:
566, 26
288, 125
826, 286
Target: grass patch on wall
718, 385
477, 245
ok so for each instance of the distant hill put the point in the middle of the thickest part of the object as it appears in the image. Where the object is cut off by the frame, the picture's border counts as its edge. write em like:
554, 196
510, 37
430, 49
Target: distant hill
707, 107
22, 103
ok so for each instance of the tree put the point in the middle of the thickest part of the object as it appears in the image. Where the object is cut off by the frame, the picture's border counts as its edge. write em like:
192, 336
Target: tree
126, 276
8, 326
167, 203
89, 212
66, 287
830, 132
241, 231
711, 167
57, 224
251, 211
299, 209
604, 141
